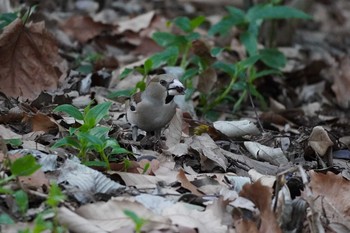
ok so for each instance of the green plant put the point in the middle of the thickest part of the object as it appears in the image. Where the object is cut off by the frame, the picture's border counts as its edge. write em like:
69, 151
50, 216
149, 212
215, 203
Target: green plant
242, 75
249, 22
139, 222
24, 166
89, 136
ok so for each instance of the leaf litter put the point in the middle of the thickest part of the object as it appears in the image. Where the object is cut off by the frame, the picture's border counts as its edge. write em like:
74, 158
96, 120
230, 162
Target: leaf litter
225, 176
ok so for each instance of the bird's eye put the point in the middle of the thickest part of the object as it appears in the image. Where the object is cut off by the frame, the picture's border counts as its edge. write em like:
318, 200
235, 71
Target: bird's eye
163, 82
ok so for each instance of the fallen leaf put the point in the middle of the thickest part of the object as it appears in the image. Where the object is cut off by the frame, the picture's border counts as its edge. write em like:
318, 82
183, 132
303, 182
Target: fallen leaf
210, 153
30, 60
319, 140
335, 192
341, 85
185, 183
136, 24
236, 128
260, 195
274, 156
83, 28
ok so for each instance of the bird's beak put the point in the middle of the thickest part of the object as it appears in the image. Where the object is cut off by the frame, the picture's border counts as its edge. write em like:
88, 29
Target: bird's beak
176, 88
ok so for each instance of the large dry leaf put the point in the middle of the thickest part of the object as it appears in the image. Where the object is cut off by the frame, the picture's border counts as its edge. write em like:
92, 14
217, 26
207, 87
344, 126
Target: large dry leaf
83, 28
29, 60
334, 196
109, 216
341, 85
260, 195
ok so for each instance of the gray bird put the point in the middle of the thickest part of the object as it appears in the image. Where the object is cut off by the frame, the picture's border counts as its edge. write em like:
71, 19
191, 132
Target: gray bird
152, 109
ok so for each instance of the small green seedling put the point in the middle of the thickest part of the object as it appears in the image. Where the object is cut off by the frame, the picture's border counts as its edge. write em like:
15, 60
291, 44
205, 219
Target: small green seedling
89, 136
24, 166
139, 222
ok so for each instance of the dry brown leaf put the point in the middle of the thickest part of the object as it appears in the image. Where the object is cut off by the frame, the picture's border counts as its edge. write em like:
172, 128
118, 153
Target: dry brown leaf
136, 24
41, 122
335, 192
260, 195
210, 153
341, 86
30, 60
185, 183
83, 28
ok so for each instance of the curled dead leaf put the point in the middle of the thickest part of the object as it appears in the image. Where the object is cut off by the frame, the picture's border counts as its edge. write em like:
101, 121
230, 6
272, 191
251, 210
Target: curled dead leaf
319, 140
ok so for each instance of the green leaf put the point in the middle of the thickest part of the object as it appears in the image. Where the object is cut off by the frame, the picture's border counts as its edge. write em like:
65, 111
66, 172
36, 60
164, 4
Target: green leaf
192, 36
6, 19
266, 73
196, 22
96, 142
250, 42
99, 131
5, 190
70, 110
189, 73
184, 23
148, 66
238, 103
136, 219
167, 56
95, 163
166, 39
121, 93
227, 68
21, 198
95, 114
55, 196
216, 51
273, 58
236, 12
24, 166
14, 142
235, 17
248, 62
85, 69
41, 225
119, 150
5, 219
274, 12
145, 168
141, 85
125, 73
67, 141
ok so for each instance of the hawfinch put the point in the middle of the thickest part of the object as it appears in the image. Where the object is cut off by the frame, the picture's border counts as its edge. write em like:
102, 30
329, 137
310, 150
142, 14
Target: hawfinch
152, 109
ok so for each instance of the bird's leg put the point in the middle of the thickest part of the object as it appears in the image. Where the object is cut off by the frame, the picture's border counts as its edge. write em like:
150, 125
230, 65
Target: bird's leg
159, 144
134, 132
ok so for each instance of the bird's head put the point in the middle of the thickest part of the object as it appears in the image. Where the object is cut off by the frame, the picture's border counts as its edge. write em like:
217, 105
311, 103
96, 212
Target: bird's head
165, 84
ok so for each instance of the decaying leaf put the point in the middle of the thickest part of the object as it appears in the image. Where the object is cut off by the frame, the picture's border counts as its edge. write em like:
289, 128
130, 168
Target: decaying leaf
210, 153
260, 195
236, 128
274, 156
341, 85
29, 60
83, 28
333, 192
136, 24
